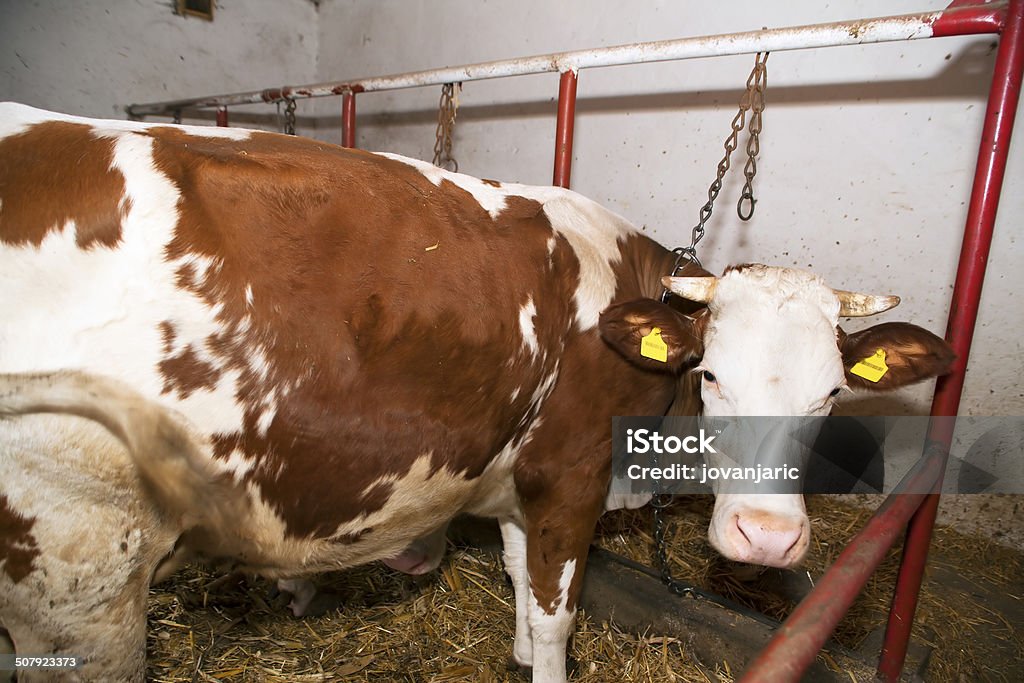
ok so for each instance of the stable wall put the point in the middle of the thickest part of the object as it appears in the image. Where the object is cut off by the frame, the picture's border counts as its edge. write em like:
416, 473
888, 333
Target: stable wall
94, 58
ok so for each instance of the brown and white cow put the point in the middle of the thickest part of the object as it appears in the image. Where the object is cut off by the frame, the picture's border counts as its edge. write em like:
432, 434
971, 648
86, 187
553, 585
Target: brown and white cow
305, 357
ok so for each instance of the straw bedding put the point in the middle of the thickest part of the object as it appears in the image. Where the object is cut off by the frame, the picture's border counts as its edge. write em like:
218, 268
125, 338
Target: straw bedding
457, 624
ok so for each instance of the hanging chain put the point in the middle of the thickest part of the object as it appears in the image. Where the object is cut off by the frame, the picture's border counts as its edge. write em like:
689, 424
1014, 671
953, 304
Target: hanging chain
447, 108
659, 501
177, 116
756, 84
289, 116
752, 101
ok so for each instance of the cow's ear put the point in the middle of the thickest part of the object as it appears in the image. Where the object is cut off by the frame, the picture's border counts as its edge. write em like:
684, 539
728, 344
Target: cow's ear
653, 335
892, 355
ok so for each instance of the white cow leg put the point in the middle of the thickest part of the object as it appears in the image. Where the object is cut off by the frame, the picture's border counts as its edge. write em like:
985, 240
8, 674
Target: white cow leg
559, 526
551, 631
514, 539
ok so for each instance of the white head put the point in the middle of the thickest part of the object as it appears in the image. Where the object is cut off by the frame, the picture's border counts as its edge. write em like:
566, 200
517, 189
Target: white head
768, 344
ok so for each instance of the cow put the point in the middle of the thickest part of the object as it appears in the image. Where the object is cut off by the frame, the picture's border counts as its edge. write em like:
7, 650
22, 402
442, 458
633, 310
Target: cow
290, 357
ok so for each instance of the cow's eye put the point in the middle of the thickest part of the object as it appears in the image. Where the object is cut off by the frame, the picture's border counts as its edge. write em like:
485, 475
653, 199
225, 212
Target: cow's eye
710, 377
835, 392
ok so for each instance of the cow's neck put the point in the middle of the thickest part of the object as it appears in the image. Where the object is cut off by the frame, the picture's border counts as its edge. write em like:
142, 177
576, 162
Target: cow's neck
648, 261
644, 262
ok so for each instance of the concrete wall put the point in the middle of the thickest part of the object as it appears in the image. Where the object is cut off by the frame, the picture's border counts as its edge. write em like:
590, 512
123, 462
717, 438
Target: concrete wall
867, 153
94, 58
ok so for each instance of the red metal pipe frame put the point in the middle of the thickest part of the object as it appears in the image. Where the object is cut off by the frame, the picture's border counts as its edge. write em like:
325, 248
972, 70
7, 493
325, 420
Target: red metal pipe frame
793, 649
969, 17
963, 314
222, 117
348, 119
563, 129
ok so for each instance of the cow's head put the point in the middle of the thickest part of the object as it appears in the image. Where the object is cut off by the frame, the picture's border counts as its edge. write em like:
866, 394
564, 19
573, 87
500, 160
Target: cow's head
768, 344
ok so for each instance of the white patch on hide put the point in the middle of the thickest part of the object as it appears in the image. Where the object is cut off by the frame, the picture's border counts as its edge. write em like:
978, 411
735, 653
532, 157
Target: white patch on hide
492, 199
526, 316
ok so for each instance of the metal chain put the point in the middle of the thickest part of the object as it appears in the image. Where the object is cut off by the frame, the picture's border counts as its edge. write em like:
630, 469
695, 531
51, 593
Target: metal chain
177, 116
752, 101
756, 84
289, 116
447, 109
660, 501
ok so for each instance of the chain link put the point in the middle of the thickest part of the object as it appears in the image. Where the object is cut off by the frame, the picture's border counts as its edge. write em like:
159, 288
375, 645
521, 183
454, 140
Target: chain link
660, 501
447, 109
752, 101
176, 117
289, 116
756, 84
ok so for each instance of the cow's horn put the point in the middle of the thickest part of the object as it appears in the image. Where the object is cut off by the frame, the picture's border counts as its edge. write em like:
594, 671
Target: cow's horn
856, 305
700, 289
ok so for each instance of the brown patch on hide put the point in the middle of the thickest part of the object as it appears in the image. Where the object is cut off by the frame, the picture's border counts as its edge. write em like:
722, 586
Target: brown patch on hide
54, 173
186, 372
18, 548
167, 335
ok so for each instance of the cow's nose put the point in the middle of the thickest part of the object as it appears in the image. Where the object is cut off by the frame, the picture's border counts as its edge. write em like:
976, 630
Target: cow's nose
771, 542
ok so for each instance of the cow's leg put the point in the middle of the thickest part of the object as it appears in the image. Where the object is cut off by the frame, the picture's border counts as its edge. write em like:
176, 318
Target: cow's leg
514, 539
559, 528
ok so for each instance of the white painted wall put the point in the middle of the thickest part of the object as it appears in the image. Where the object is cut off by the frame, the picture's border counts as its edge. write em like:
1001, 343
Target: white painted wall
867, 153
94, 58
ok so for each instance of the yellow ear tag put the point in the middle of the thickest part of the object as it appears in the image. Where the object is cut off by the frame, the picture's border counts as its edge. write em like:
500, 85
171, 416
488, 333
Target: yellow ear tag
653, 346
872, 368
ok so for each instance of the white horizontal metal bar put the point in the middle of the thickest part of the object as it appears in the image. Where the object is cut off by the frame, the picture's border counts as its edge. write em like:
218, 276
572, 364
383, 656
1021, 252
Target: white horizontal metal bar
854, 32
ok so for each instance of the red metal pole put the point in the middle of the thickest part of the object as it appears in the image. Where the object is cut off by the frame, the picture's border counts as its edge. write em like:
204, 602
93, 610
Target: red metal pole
563, 130
222, 117
963, 314
969, 17
798, 641
348, 119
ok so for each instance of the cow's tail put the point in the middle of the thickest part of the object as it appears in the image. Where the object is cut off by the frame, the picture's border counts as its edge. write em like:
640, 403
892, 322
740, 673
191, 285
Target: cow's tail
169, 458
